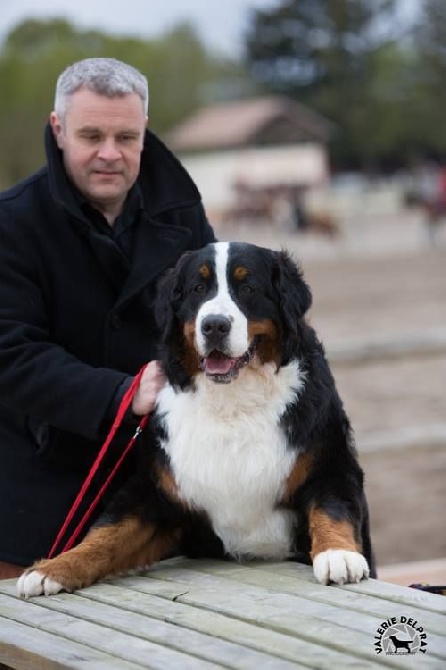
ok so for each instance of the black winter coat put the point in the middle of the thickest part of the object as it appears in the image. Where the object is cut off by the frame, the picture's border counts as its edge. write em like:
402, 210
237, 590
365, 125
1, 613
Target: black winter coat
69, 338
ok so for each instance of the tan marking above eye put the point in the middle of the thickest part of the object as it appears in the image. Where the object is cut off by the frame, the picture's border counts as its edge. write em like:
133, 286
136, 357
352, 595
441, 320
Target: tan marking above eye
204, 271
240, 273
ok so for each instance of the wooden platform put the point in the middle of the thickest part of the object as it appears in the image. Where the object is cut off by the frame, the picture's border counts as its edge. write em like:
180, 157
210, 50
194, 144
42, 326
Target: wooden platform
204, 614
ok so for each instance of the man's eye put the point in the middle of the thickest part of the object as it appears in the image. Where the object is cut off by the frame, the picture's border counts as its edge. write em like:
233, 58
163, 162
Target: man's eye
127, 138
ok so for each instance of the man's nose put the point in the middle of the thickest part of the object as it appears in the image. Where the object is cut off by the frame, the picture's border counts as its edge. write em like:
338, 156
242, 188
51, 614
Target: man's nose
109, 150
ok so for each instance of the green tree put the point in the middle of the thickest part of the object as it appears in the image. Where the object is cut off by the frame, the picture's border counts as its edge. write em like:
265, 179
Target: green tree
325, 53
430, 43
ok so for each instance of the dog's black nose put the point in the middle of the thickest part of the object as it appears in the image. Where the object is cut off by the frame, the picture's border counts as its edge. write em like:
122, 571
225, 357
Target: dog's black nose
215, 325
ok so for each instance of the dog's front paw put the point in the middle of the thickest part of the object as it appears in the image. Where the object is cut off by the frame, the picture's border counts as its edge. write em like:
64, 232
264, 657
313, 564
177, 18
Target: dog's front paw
340, 566
36, 583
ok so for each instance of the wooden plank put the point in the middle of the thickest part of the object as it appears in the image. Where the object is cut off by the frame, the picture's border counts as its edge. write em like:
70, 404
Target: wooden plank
340, 597
102, 638
290, 647
275, 615
22, 648
318, 624
144, 626
279, 608
371, 587
211, 585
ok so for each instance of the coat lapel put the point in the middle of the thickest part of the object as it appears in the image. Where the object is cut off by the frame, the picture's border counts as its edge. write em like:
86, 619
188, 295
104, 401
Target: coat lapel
156, 248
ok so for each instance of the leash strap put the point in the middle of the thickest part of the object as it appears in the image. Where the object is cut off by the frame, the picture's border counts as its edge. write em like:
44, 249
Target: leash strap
122, 409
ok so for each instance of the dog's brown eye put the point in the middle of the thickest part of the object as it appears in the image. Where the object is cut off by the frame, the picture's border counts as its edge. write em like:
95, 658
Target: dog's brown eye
246, 289
199, 288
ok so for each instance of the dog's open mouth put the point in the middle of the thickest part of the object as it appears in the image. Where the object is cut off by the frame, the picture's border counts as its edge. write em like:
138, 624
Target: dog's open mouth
222, 368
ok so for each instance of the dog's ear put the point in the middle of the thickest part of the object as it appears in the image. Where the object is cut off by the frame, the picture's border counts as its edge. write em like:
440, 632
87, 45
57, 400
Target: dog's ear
293, 292
168, 300
164, 303
169, 294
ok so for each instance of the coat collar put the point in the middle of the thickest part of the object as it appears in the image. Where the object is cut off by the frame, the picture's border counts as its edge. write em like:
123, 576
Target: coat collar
163, 181
157, 246
165, 185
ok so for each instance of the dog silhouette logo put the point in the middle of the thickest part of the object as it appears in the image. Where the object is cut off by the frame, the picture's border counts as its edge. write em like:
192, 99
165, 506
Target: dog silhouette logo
400, 644
400, 635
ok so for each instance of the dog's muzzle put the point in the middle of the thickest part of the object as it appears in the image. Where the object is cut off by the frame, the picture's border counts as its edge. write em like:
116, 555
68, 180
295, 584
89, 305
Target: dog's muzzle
218, 363
222, 368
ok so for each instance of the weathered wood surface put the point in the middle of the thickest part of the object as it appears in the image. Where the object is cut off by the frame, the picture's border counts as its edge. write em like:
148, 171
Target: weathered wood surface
186, 614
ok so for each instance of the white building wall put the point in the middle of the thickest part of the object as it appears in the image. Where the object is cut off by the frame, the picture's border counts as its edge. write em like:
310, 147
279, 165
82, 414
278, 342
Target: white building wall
216, 173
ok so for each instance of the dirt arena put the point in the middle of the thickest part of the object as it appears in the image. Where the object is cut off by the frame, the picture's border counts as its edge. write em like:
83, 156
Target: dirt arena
382, 283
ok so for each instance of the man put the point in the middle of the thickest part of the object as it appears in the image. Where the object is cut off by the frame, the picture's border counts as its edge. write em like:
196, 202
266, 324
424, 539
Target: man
82, 244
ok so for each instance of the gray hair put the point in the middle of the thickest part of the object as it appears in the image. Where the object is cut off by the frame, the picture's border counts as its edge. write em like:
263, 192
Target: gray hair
105, 76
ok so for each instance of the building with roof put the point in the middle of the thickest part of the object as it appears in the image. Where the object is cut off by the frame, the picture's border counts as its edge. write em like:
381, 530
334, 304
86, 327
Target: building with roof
262, 142
256, 122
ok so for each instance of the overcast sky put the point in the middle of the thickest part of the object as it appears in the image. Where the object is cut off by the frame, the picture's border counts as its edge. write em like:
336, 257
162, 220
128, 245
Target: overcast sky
220, 24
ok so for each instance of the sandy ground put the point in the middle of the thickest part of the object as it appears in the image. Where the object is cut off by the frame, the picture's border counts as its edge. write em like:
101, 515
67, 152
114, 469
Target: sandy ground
379, 282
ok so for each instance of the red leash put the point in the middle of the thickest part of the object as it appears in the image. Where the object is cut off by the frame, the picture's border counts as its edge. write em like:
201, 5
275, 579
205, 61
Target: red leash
123, 407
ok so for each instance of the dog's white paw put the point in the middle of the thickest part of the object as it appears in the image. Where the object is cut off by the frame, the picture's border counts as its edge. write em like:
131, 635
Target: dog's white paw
340, 567
35, 583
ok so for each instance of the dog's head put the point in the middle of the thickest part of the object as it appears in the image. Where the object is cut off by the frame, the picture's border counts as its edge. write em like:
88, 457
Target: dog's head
226, 307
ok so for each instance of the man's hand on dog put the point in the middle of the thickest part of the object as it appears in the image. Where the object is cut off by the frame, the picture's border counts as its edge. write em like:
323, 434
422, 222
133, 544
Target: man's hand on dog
152, 381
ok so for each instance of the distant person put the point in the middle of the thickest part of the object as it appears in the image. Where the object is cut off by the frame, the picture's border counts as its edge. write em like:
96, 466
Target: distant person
299, 209
437, 210
432, 190
83, 241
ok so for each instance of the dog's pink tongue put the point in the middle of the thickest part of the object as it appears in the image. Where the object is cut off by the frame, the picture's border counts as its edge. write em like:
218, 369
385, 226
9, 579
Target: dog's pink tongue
219, 365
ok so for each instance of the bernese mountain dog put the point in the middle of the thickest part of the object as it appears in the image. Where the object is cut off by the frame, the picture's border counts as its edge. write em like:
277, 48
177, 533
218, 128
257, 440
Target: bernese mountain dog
249, 453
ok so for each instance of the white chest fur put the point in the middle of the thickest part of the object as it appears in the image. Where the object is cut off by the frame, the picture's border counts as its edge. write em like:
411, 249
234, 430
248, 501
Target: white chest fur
230, 458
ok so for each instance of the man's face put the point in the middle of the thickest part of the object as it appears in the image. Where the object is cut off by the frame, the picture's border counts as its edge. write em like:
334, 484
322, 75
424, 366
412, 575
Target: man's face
102, 139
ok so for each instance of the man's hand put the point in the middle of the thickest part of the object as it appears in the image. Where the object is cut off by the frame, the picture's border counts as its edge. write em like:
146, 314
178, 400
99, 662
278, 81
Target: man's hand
152, 381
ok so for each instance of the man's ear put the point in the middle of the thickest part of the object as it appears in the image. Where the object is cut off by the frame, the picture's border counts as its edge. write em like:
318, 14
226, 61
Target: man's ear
56, 127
